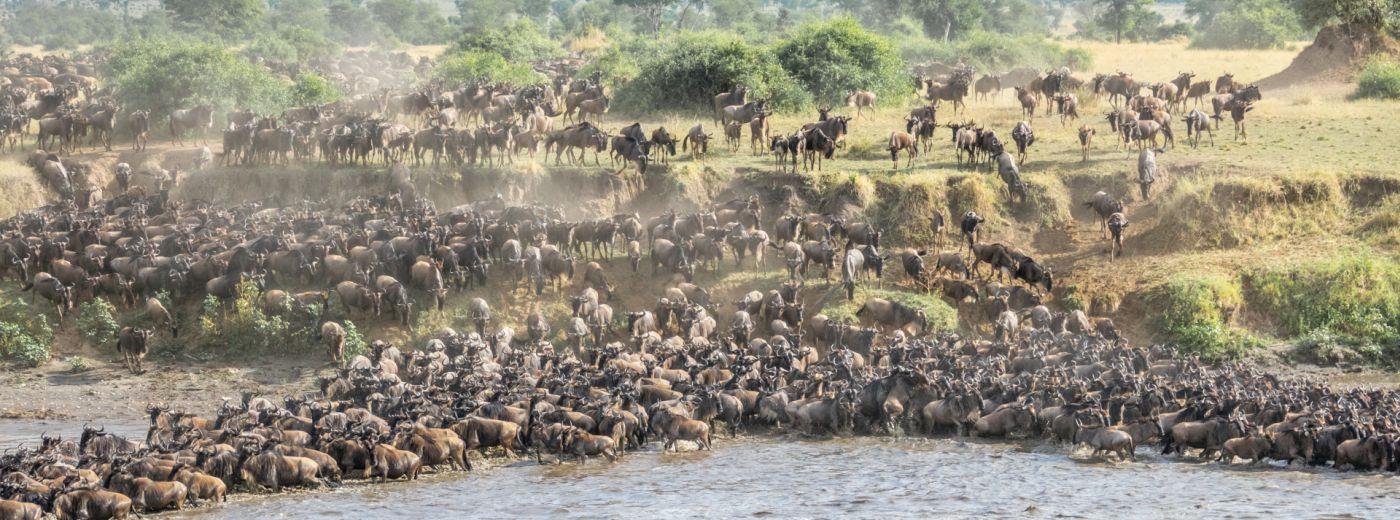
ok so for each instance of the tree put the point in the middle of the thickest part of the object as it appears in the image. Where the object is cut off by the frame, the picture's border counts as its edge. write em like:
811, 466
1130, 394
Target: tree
164, 74
352, 24
1250, 24
481, 14
238, 17
411, 21
1377, 15
1205, 11
313, 89
1121, 15
649, 11
943, 19
834, 58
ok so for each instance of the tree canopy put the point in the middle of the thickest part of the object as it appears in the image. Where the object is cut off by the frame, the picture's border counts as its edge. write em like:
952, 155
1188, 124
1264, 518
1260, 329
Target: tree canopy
165, 74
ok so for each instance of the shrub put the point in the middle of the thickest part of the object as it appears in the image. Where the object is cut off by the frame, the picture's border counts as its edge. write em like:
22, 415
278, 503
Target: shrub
1193, 311
96, 323
520, 42
472, 66
164, 74
242, 328
1354, 297
355, 343
617, 62
313, 89
833, 58
1380, 79
1253, 24
691, 68
25, 335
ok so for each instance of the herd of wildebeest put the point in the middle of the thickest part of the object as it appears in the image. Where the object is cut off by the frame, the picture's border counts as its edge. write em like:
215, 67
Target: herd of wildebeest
601, 383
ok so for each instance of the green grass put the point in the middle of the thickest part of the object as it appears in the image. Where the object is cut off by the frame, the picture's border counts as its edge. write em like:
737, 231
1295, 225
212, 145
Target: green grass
941, 316
1195, 312
1353, 296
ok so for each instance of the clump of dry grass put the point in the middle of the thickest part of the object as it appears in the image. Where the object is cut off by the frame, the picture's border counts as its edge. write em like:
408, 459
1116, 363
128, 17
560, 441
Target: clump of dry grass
904, 206
1208, 212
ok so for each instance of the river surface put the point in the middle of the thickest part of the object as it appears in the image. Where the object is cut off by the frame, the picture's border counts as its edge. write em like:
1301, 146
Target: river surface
795, 477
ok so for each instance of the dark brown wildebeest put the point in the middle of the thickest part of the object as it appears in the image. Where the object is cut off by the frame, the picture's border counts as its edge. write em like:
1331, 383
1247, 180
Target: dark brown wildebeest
737, 96
53, 290
697, 141
987, 87
582, 136
1118, 85
1238, 108
1226, 84
666, 143
133, 344
1068, 107
1116, 224
743, 113
199, 119
1104, 206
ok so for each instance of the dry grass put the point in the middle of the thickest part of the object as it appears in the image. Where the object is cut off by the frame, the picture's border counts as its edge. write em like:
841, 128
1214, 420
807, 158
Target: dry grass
1162, 61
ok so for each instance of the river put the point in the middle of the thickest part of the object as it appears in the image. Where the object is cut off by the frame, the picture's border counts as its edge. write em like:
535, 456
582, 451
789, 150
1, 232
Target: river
794, 477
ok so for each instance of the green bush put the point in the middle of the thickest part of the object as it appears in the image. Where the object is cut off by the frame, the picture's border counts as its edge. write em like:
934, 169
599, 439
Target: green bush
519, 42
617, 62
165, 74
97, 323
467, 67
691, 68
833, 58
313, 89
1355, 297
1193, 312
1380, 79
241, 328
941, 316
355, 343
25, 334
1252, 24
290, 45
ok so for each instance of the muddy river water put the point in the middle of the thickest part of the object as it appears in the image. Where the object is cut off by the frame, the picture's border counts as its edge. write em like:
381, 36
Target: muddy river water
790, 476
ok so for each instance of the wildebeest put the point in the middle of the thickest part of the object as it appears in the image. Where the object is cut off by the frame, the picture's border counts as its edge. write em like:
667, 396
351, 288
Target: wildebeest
697, 141
1147, 169
133, 344
860, 100
200, 119
1024, 137
1104, 206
